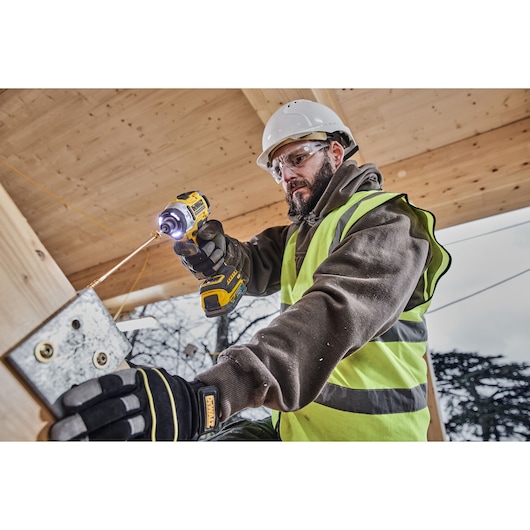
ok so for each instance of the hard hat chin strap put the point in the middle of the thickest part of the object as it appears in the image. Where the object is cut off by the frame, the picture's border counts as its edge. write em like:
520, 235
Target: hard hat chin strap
351, 153
345, 141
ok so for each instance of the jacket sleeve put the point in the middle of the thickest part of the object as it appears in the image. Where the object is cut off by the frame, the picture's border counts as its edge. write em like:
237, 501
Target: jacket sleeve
359, 291
259, 260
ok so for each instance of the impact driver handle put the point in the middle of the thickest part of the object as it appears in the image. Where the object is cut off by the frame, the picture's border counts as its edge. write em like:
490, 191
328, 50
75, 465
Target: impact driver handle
221, 293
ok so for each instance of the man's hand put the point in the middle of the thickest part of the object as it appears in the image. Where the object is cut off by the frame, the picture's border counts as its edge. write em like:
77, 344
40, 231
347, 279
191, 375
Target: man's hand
138, 404
206, 260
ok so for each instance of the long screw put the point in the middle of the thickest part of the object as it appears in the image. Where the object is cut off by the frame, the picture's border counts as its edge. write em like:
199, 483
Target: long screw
155, 235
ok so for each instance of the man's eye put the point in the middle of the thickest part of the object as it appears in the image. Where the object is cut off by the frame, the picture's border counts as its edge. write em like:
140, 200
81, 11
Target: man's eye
297, 158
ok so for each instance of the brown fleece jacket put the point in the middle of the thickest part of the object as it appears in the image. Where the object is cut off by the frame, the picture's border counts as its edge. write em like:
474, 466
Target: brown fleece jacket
359, 291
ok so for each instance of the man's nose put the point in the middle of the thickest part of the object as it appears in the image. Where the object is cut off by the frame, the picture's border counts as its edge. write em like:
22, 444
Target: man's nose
288, 173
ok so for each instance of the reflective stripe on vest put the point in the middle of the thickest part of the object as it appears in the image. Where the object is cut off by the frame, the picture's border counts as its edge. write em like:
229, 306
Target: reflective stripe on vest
380, 391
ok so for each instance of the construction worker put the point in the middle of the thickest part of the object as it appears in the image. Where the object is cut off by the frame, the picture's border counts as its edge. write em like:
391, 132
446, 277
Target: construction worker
357, 268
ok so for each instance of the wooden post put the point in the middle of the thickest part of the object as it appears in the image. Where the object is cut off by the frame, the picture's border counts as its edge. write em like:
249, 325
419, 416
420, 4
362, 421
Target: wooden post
436, 432
32, 288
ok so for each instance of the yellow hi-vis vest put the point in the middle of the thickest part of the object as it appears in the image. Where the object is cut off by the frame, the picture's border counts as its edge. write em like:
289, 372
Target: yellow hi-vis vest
380, 391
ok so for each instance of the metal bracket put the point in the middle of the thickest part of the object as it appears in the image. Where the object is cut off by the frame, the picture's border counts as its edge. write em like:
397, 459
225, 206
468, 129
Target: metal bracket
79, 342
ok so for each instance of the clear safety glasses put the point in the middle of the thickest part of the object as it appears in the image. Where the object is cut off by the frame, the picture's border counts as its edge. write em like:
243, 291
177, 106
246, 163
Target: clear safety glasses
295, 159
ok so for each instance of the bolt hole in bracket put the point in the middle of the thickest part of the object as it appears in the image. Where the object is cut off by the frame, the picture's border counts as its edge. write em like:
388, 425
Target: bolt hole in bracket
79, 342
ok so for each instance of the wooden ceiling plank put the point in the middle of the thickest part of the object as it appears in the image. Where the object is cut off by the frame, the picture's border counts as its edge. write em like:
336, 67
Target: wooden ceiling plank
468, 171
470, 208
392, 125
90, 184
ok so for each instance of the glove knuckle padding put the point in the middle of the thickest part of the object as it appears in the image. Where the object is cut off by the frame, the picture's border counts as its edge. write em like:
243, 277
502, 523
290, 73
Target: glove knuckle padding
105, 413
131, 402
185, 248
220, 243
217, 258
211, 229
136, 425
207, 262
68, 429
94, 390
203, 254
208, 248
133, 428
84, 393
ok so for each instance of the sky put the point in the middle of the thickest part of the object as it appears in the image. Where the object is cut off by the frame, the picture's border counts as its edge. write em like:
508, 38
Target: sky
469, 313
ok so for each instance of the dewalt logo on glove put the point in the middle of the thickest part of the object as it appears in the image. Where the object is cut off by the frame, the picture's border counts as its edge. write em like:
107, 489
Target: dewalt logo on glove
208, 409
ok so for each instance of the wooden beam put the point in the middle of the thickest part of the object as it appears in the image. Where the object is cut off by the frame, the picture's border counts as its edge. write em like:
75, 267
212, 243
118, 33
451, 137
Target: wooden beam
267, 101
468, 180
329, 98
33, 288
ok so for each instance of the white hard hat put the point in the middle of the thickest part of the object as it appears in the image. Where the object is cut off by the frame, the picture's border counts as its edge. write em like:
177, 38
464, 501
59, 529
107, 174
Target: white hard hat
303, 119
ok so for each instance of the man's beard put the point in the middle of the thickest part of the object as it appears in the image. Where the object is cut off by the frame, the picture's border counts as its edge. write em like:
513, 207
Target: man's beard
304, 207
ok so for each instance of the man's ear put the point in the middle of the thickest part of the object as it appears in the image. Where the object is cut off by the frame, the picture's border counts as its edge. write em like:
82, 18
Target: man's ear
336, 153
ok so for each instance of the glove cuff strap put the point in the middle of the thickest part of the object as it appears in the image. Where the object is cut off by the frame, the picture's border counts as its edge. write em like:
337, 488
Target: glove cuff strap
208, 401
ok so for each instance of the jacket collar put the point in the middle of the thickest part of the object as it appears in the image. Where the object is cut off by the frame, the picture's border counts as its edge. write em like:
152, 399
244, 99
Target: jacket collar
348, 179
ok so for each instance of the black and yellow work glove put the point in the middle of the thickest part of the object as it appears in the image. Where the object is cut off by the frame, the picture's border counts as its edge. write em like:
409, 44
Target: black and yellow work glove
138, 404
204, 260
